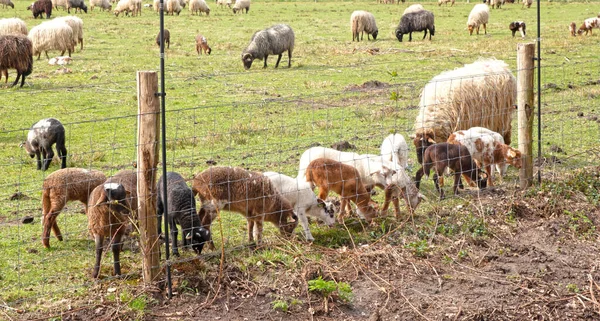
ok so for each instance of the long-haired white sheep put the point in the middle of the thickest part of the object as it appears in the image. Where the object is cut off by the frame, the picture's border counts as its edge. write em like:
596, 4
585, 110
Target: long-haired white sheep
51, 35
13, 26
271, 41
527, 3
199, 6
361, 22
77, 25
240, 5
172, 7
129, 6
413, 8
103, 4
60, 3
479, 16
395, 149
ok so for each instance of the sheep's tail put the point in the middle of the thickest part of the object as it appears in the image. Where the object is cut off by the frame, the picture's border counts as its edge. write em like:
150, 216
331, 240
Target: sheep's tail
309, 177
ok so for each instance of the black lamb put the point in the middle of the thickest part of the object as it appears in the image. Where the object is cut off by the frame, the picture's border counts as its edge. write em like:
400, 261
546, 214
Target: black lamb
416, 21
41, 137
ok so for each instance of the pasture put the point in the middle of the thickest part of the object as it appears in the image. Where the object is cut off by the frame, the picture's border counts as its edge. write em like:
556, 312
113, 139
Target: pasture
499, 254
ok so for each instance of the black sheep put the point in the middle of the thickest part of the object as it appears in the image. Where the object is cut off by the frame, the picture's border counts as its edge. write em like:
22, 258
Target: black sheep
517, 26
41, 6
422, 20
40, 139
16, 52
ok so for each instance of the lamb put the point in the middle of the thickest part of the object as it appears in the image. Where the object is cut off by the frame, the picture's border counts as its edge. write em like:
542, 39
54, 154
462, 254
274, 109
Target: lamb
111, 207
7, 3
588, 25
167, 38
300, 195
249, 193
527, 3
76, 25
173, 6
441, 2
202, 45
346, 181
41, 137
13, 26
60, 187
517, 26
181, 206
199, 6
221, 3
487, 148
129, 6
413, 8
39, 7
416, 21
271, 41
52, 35
479, 16
103, 4
457, 158
77, 4
573, 29
240, 5
361, 22
15, 53
395, 149
401, 185
496, 3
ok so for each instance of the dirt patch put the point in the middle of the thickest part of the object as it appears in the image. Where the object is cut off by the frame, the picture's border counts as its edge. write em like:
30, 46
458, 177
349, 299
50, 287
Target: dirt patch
368, 86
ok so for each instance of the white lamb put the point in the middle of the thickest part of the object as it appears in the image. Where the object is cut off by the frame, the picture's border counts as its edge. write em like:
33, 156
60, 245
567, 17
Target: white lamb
395, 149
479, 16
103, 4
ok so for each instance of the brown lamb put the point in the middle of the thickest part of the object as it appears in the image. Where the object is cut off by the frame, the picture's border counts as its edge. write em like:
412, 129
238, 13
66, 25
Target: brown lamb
202, 45
166, 35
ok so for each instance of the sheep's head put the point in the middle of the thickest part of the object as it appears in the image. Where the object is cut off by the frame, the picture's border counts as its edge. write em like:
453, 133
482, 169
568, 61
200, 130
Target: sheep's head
287, 227
84, 8
470, 27
30, 147
198, 236
513, 157
247, 59
209, 50
10, 4
421, 142
327, 211
374, 34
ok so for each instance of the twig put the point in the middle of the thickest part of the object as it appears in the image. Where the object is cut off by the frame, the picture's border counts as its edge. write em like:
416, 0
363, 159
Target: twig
438, 276
413, 307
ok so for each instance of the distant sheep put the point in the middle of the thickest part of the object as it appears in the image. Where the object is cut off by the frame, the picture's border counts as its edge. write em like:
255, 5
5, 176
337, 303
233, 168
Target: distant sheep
60, 3
527, 3
413, 8
441, 2
517, 26
52, 35
361, 22
395, 149
240, 5
77, 4
202, 45
103, 4
199, 6
573, 29
7, 3
172, 7
479, 16
15, 53
40, 7
496, 3
271, 41
422, 20
588, 25
41, 137
76, 25
222, 3
129, 6
167, 38
13, 26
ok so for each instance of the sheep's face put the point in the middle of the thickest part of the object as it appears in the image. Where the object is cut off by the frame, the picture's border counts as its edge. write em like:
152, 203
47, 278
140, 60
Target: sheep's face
209, 50
247, 59
30, 148
421, 143
285, 226
470, 27
375, 34
513, 157
84, 8
198, 237
10, 4
325, 211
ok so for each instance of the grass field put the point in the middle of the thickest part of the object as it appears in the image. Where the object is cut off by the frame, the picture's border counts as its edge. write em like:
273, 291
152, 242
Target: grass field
262, 119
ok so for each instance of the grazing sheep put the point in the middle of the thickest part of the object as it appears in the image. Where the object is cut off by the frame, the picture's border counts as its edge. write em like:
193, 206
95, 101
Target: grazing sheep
517, 26
402, 185
221, 3
7, 3
527, 3
271, 41
77, 4
361, 22
394, 149
240, 5
60, 3
103, 4
181, 206
39, 7
129, 6
167, 38
588, 25
76, 25
249, 193
52, 35
202, 45
300, 195
41, 137
573, 29
413, 8
199, 6
61, 187
13, 26
416, 21
112, 206
172, 7
182, 3
441, 2
479, 16
496, 3
15, 53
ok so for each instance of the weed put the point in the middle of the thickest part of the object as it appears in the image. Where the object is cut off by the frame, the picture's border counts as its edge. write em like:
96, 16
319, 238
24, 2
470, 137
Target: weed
580, 224
419, 248
573, 288
280, 305
330, 288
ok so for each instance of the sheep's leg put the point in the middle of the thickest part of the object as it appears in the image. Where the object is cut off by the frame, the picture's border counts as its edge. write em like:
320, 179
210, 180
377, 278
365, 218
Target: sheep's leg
22, 79
418, 177
258, 230
81, 42
425, 35
484, 29
410, 36
98, 240
289, 59
302, 216
489, 171
278, 59
396, 202
48, 155
456, 179
388, 199
38, 157
174, 233
437, 186
16, 80
116, 250
47, 57
39, 55
265, 64
62, 152
250, 230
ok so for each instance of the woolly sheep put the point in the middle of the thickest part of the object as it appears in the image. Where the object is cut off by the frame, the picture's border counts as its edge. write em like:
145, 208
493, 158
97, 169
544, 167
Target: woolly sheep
272, 41
41, 137
60, 3
202, 45
15, 53
496, 3
527, 3
61, 187
77, 25
479, 16
394, 149
167, 38
39, 7
128, 6
413, 8
77, 4
13, 26
173, 6
416, 21
103, 4
361, 22
240, 5
7, 3
221, 3
52, 35
441, 2
517, 26
199, 6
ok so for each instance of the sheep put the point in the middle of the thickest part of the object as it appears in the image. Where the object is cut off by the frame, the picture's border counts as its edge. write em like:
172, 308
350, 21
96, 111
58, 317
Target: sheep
441, 2
249, 193
346, 181
300, 195
479, 16
457, 158
77, 4
221, 3
7, 3
103, 4
588, 25
13, 26
39, 7
111, 207
395, 149
15, 53
517, 26
402, 185
76, 25
60, 187
573, 29
413, 8
199, 6
182, 3
361, 22
487, 148
416, 21
181, 206
271, 41
167, 38
128, 6
60, 3
527, 3
240, 5
52, 35
41, 137
479, 94
173, 6
496, 3
202, 45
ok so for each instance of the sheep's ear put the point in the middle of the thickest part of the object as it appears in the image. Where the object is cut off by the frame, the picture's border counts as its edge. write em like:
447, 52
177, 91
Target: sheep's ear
188, 236
320, 203
246, 55
512, 153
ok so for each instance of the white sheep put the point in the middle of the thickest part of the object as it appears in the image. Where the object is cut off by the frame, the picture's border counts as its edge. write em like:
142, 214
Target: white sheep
527, 3
361, 22
77, 25
479, 16
199, 6
13, 26
413, 8
441, 2
60, 3
51, 35
395, 149
300, 195
172, 7
128, 6
221, 3
103, 4
240, 5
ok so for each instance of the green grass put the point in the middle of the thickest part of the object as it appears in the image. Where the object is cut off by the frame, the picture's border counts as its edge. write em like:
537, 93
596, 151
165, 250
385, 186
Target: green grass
261, 119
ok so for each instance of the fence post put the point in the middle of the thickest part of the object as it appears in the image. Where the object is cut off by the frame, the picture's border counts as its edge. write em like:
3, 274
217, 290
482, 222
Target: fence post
525, 67
147, 160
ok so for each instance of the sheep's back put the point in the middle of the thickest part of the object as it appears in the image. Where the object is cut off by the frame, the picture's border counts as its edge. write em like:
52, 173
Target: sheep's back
73, 183
16, 52
479, 15
13, 26
52, 35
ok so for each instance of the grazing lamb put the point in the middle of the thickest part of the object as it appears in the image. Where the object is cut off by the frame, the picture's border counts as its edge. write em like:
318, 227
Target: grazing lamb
39, 7
402, 185
517, 26
496, 3
527, 3
345, 180
13, 26
416, 21
166, 35
222, 3
52, 35
129, 6
76, 25
361, 22
487, 148
77, 4
300, 195
7, 3
249, 193
202, 45
479, 16
199, 6
395, 149
271, 41
413, 8
15, 53
172, 7
103, 4
441, 2
112, 206
588, 25
573, 29
457, 158
41, 137
60, 187
240, 5
181, 206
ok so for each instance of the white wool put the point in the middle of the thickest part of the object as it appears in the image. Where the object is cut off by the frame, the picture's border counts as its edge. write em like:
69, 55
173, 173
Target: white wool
479, 15
241, 4
198, 6
76, 25
51, 35
413, 8
13, 26
362, 21
112, 186
395, 149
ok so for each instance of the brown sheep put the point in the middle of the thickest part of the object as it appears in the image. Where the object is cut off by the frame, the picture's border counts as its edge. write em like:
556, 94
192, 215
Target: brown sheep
248, 193
62, 186
167, 36
343, 179
202, 45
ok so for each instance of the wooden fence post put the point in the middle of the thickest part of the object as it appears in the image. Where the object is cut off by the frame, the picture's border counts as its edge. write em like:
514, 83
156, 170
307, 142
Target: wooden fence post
525, 113
147, 160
